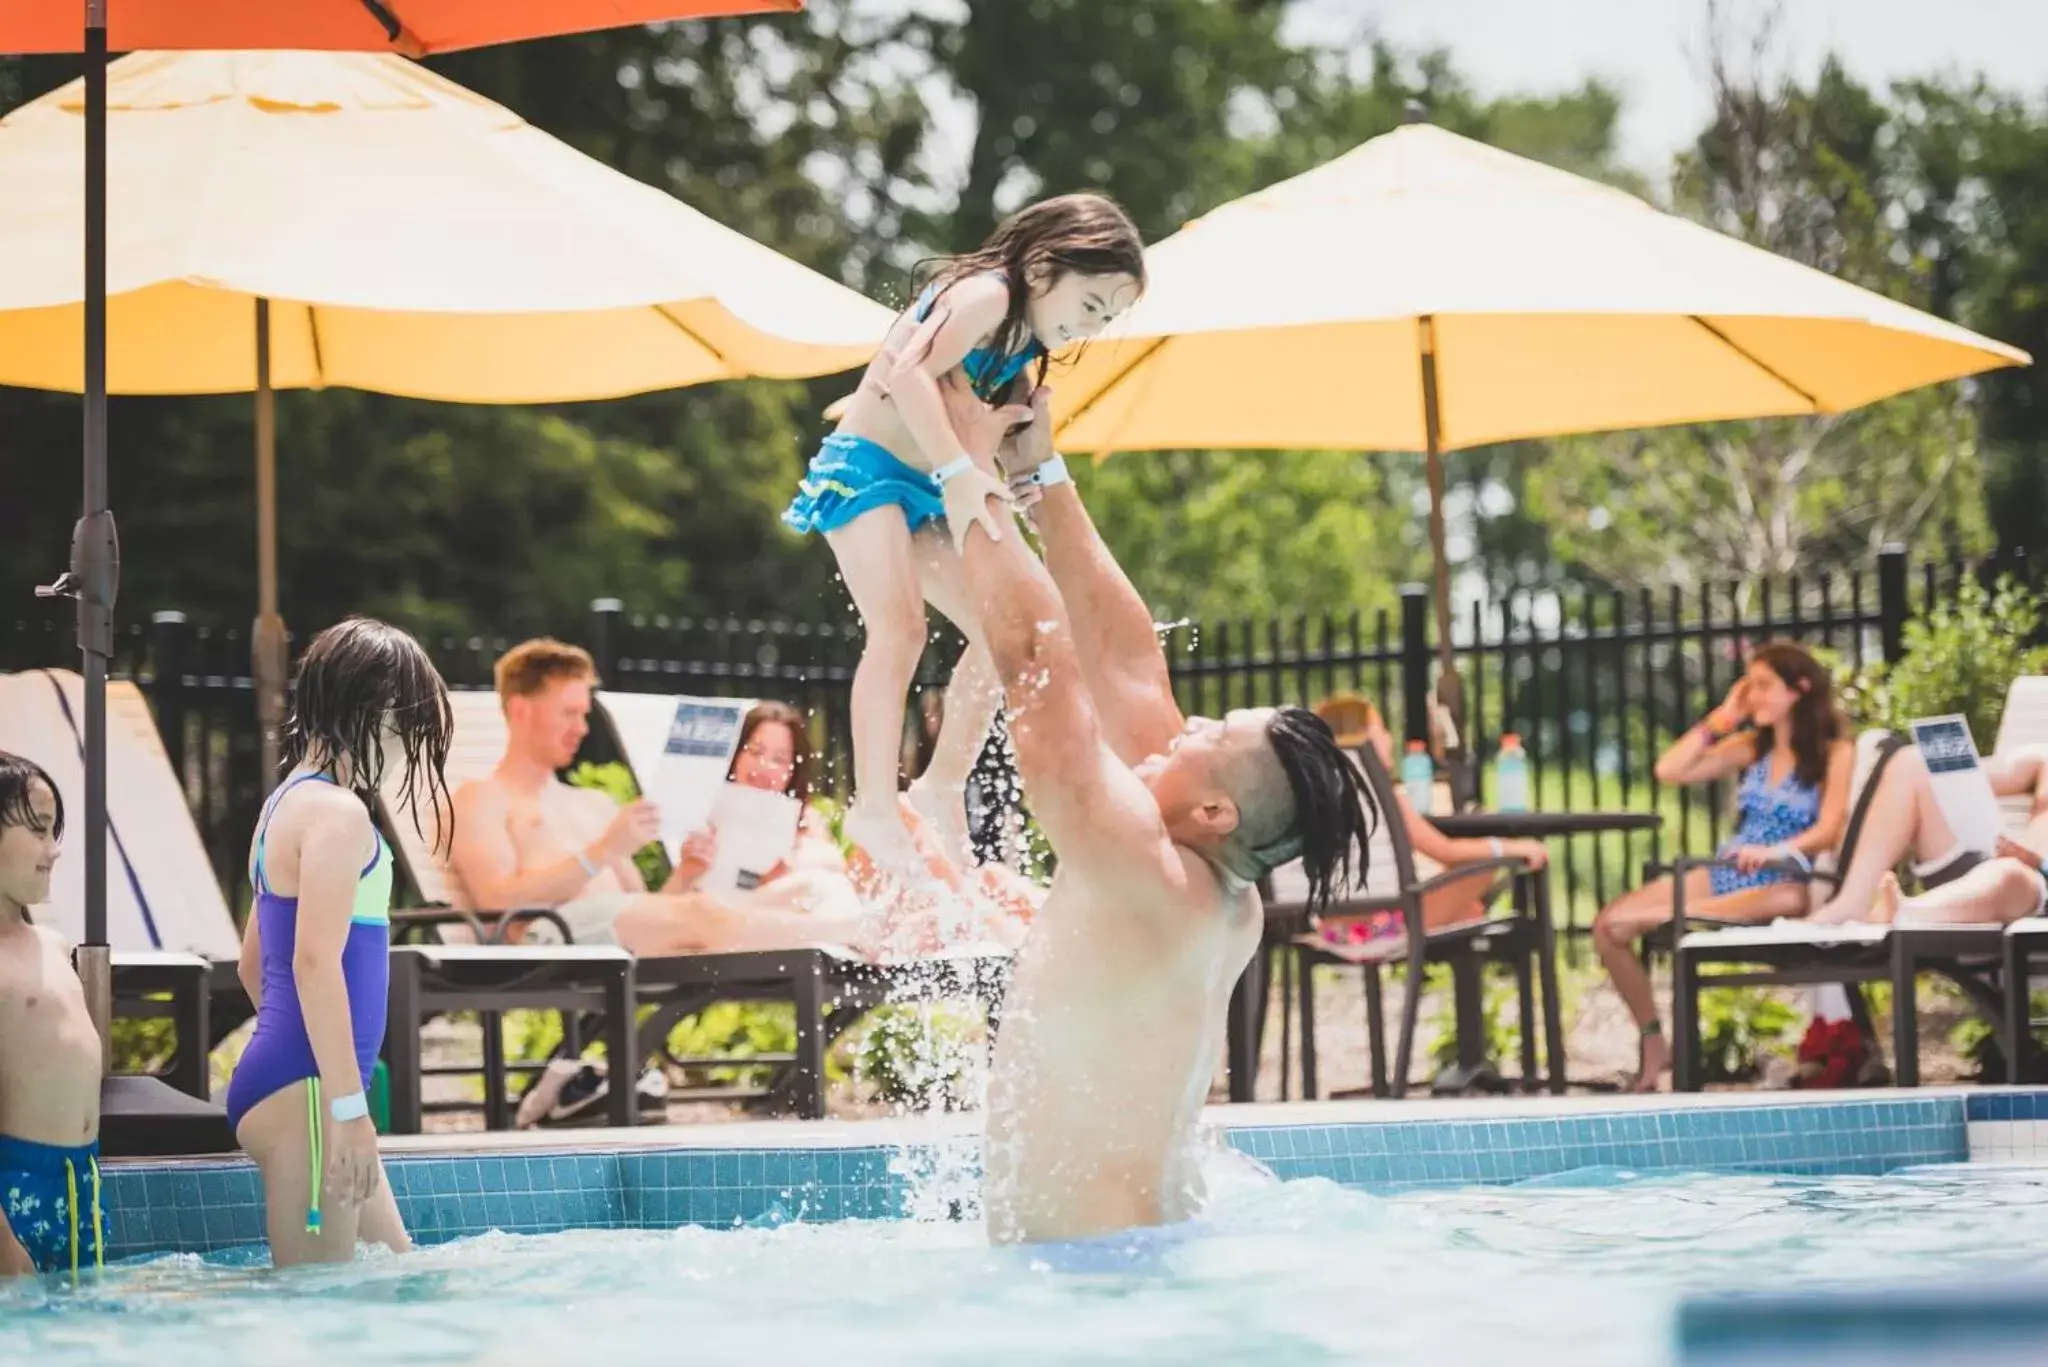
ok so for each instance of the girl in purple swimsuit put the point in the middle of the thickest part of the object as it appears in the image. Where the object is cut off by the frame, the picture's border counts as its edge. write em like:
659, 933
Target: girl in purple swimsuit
315, 956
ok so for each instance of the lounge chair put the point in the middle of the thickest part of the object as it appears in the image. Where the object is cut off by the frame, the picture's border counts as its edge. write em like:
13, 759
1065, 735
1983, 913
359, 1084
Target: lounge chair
1523, 939
1793, 951
829, 989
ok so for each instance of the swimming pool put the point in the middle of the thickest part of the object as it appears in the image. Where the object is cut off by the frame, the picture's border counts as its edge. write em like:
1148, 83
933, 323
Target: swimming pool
1418, 1232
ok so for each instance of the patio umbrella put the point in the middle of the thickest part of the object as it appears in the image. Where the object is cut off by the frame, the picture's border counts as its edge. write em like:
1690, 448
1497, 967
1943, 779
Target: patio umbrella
367, 223
413, 27
1425, 292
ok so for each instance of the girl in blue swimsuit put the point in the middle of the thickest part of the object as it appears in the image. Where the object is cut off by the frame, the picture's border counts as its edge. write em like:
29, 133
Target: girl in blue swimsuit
1780, 730
1051, 275
315, 955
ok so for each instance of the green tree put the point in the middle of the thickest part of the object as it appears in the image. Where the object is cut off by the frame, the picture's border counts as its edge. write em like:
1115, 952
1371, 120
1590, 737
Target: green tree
1814, 173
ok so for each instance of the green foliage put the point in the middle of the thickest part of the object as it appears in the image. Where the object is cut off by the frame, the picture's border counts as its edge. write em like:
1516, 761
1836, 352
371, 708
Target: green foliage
1738, 1025
737, 1030
734, 1030
1961, 656
814, 133
615, 781
1497, 1009
1824, 174
1975, 1042
141, 1046
919, 1056
1195, 530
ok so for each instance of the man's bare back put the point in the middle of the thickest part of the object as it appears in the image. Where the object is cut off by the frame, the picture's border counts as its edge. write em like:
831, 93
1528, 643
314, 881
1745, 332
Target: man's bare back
1114, 1018
50, 1058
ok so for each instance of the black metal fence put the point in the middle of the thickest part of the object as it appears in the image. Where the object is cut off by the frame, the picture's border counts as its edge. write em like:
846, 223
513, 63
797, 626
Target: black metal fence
1595, 682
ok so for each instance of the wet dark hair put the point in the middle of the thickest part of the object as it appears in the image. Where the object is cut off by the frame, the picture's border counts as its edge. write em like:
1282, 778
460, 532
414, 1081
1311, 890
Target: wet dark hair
19, 776
1816, 722
801, 776
354, 675
1334, 815
1079, 234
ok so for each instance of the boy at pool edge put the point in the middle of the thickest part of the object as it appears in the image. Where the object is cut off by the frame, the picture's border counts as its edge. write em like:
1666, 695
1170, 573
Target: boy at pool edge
51, 1059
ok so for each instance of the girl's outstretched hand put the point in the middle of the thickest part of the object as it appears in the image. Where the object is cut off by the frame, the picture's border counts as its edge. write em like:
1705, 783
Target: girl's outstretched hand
967, 498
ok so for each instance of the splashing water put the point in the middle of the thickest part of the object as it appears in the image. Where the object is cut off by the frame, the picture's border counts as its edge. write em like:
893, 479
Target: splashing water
1299, 1272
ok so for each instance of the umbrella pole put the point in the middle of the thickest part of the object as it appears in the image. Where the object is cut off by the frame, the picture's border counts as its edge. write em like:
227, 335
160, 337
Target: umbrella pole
267, 643
95, 571
1450, 688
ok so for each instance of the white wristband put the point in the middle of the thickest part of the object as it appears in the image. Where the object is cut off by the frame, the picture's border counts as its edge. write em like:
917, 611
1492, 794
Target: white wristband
343, 1109
1499, 850
952, 470
1052, 472
583, 862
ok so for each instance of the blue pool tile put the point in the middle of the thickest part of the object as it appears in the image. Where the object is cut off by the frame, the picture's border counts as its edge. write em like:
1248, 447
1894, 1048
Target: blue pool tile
864, 1165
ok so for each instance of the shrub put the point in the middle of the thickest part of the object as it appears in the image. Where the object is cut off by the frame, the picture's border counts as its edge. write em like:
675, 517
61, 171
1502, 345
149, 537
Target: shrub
920, 1056
1960, 657
1737, 1027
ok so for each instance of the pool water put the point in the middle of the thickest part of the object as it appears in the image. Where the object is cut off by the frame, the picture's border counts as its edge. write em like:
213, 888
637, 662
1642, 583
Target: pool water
1586, 1269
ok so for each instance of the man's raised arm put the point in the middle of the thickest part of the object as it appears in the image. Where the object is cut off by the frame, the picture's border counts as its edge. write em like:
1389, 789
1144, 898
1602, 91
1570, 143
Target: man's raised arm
1089, 803
1119, 648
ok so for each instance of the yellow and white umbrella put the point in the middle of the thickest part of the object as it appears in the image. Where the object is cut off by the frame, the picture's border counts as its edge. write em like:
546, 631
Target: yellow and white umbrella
412, 238
301, 219
1425, 292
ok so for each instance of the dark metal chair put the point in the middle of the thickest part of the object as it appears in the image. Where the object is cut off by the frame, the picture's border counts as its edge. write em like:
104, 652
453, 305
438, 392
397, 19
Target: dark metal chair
1524, 940
1852, 955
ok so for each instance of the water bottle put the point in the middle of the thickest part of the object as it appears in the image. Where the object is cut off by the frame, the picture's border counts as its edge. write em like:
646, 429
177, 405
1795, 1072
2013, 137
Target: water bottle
1511, 775
1417, 775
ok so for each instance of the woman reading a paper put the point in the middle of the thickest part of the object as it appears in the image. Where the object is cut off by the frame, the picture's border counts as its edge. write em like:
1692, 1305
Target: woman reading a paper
765, 847
764, 842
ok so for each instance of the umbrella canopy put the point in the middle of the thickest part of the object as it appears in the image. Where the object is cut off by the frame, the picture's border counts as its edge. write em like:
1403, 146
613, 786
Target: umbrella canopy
93, 579
409, 26
1294, 318
1425, 292
413, 237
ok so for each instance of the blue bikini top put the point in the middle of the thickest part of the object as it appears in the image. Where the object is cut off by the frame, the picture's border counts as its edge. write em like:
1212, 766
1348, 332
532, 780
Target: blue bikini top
989, 371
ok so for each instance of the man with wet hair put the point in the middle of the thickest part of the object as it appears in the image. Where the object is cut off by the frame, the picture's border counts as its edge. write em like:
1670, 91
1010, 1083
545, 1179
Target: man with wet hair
1162, 826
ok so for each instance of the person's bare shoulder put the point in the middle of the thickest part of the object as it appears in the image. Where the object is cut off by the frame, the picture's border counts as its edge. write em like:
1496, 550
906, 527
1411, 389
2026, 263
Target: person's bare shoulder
335, 811
481, 799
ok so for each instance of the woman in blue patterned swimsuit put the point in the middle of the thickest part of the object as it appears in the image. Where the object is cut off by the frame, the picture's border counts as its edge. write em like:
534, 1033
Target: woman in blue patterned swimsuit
1779, 729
